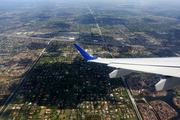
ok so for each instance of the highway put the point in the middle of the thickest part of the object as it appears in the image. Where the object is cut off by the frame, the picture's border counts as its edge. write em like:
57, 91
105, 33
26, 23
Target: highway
37, 38
97, 25
100, 33
132, 100
21, 83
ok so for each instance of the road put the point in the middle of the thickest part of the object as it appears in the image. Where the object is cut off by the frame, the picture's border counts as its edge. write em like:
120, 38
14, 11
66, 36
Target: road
112, 44
100, 33
174, 52
132, 100
97, 25
21, 83
151, 108
38, 38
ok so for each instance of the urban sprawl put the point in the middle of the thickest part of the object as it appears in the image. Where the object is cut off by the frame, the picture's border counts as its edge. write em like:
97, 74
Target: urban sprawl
44, 77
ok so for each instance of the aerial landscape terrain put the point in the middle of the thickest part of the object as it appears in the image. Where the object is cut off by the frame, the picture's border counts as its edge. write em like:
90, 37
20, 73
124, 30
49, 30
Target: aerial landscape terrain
44, 77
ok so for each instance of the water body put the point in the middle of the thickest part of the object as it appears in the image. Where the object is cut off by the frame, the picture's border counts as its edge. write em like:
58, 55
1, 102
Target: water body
43, 36
2, 64
169, 100
32, 28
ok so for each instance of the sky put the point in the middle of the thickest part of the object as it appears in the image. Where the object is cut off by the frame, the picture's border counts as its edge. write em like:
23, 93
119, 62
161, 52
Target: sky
164, 1
145, 2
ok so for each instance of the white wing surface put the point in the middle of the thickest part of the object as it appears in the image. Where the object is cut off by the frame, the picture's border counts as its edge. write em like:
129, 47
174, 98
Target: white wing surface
164, 66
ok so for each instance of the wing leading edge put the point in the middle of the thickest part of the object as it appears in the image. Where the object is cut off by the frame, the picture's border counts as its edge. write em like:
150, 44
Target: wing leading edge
169, 66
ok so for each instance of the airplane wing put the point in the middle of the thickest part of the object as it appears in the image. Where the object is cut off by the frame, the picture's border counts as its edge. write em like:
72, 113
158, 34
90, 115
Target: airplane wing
168, 66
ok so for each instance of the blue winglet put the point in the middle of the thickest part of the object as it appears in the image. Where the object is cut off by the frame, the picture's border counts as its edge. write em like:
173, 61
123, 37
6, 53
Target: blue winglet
84, 53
